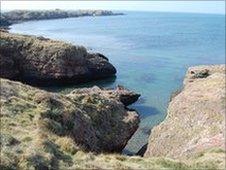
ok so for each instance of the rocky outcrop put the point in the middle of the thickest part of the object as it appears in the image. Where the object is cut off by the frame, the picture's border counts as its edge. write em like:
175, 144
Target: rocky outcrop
16, 16
95, 121
195, 121
43, 61
121, 94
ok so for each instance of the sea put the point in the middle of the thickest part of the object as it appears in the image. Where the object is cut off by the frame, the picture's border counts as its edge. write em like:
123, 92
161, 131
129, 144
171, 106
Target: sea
150, 50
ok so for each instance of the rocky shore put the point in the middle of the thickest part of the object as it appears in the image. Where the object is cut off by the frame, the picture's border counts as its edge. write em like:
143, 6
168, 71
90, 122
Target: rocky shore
44, 130
17, 16
89, 127
86, 119
41, 61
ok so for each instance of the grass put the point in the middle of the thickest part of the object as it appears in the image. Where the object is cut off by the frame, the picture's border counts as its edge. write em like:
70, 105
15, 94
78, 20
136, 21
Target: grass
35, 134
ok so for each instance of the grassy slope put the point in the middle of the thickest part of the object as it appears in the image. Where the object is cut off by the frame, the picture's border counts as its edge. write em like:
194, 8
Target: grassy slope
29, 140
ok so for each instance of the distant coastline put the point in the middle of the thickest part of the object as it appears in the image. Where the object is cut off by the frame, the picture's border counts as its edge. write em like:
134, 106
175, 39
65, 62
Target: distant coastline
16, 16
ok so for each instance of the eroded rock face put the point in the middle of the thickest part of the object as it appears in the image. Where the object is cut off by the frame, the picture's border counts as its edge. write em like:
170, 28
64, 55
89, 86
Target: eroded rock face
94, 121
196, 116
43, 61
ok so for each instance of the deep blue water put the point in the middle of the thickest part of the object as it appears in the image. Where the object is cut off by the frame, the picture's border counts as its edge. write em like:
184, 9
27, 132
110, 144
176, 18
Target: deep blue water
151, 52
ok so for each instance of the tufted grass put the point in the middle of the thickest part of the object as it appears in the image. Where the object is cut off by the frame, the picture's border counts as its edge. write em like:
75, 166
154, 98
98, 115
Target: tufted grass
34, 137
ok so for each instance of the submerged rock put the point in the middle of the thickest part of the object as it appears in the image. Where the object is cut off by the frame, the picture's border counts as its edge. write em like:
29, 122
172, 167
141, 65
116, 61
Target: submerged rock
41, 61
195, 122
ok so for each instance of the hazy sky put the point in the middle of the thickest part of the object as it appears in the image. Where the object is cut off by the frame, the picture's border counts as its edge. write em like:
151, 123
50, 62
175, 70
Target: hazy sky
172, 6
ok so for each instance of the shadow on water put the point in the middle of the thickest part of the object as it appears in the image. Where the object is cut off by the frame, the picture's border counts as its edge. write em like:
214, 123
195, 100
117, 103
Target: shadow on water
141, 100
108, 82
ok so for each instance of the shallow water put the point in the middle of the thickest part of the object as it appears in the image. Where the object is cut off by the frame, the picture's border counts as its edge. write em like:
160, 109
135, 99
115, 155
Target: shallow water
151, 52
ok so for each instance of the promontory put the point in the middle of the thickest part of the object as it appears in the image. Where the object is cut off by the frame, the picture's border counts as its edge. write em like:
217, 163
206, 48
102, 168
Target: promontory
39, 60
17, 16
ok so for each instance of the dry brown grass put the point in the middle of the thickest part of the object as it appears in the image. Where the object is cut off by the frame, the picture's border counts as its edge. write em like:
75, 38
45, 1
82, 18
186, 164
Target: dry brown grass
28, 143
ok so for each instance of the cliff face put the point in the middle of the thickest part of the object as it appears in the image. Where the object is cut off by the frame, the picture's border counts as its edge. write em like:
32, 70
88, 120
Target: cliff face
43, 61
196, 117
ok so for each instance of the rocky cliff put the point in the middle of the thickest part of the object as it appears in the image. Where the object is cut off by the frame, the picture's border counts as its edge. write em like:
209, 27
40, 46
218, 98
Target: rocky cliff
32, 119
43, 61
195, 123
16, 16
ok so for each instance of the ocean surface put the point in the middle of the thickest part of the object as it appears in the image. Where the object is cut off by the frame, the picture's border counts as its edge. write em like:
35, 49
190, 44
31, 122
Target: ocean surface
150, 50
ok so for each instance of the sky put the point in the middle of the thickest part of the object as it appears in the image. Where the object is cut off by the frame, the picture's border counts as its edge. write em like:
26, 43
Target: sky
166, 6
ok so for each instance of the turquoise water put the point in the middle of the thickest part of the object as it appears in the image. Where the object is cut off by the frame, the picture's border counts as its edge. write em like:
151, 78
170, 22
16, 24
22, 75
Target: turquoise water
151, 52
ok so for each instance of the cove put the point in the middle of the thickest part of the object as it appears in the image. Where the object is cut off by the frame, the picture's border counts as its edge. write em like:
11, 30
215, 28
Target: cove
151, 52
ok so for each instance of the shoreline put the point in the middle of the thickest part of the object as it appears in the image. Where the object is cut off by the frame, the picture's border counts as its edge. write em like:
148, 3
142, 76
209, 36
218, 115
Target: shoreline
18, 16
